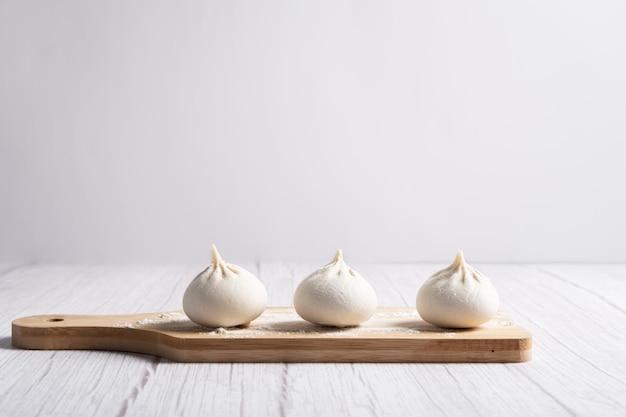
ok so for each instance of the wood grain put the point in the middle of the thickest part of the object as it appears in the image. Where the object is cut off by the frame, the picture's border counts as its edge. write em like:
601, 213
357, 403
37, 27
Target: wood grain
576, 314
279, 335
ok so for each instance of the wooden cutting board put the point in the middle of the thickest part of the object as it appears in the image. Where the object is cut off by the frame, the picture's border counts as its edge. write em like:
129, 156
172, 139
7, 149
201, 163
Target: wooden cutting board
279, 335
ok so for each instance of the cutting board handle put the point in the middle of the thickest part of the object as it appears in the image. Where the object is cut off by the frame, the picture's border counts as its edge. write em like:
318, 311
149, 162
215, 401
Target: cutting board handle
86, 332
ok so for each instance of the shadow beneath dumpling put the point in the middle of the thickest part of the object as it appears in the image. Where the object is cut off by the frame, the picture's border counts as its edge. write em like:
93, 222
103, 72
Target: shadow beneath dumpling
418, 325
431, 328
183, 325
187, 326
301, 326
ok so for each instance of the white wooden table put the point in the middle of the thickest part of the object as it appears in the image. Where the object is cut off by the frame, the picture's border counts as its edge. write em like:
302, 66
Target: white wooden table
576, 313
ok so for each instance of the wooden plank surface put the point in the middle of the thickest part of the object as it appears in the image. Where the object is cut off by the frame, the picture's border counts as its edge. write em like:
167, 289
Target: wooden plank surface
279, 335
576, 314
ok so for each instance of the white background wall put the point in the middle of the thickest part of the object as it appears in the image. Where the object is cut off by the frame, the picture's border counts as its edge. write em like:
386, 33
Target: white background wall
144, 131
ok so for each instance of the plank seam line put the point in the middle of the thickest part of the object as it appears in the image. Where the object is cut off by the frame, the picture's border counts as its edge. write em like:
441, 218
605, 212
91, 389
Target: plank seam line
145, 378
580, 287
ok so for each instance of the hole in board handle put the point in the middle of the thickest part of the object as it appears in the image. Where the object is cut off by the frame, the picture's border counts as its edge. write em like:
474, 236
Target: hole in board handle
55, 319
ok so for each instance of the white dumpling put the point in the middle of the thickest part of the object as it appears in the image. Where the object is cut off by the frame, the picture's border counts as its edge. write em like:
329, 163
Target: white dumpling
224, 295
458, 296
335, 295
